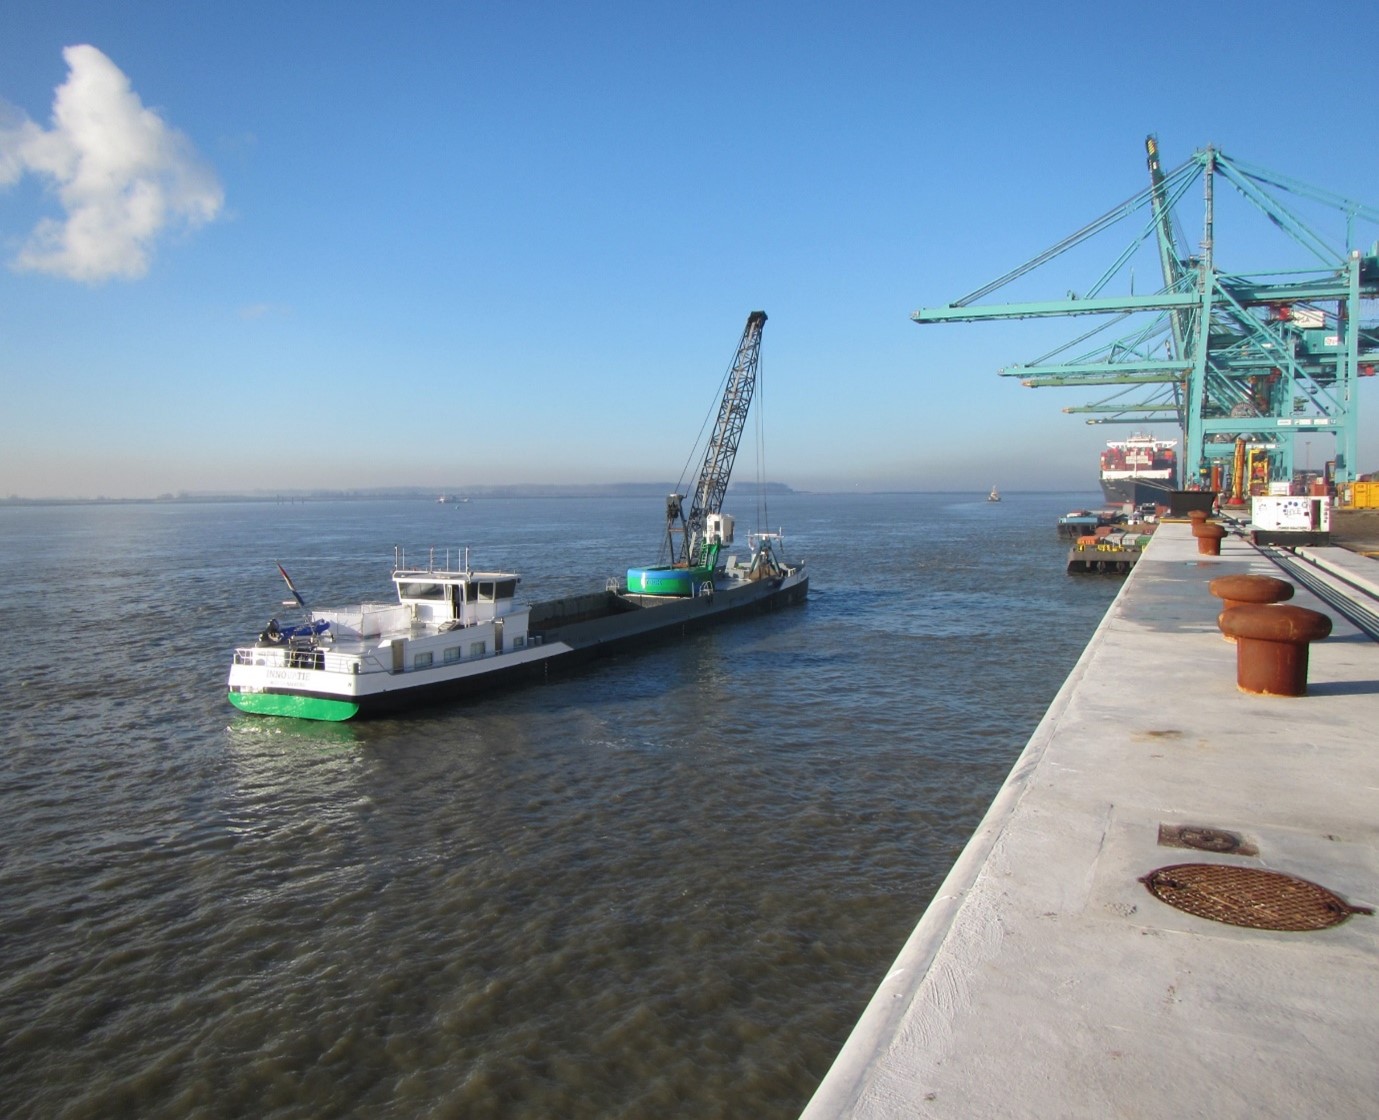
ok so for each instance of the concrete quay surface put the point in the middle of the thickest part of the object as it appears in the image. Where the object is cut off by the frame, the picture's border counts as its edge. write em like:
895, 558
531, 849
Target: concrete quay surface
1045, 980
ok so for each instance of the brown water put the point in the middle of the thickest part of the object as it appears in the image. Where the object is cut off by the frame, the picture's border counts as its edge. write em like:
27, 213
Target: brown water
664, 886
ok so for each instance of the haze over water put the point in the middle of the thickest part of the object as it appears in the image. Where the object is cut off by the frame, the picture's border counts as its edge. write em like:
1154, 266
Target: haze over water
665, 885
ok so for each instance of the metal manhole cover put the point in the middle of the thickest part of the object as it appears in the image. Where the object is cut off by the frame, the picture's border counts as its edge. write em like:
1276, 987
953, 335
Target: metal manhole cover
1248, 896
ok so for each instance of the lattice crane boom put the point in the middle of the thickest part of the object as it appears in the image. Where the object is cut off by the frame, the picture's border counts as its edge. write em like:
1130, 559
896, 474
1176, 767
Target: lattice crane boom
712, 485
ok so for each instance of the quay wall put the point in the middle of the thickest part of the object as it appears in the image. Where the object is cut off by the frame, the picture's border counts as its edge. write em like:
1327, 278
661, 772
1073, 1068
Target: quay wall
1044, 979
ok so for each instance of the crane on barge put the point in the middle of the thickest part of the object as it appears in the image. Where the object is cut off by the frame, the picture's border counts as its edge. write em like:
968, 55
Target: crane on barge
704, 530
694, 540
1244, 363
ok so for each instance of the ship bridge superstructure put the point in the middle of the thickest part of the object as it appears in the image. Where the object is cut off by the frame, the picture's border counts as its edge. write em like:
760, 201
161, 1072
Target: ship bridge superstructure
1237, 361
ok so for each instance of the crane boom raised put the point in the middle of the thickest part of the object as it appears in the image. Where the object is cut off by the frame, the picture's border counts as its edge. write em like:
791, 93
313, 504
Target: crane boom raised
721, 452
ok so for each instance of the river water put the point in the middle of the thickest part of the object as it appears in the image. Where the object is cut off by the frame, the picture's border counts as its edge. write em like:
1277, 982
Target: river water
665, 885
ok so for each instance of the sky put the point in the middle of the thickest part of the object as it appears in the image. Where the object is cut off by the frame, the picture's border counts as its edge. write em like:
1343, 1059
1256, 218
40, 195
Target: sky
265, 246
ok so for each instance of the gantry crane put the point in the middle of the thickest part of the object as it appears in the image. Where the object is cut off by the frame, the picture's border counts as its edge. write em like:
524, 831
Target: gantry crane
1240, 362
700, 533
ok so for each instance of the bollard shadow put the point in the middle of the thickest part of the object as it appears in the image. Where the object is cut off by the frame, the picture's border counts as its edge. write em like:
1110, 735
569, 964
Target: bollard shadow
1343, 688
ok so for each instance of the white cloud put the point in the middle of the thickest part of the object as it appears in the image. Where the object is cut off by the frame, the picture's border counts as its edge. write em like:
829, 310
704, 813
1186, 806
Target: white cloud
122, 174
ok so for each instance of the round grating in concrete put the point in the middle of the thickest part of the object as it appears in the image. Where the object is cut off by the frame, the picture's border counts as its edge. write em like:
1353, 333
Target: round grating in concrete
1248, 896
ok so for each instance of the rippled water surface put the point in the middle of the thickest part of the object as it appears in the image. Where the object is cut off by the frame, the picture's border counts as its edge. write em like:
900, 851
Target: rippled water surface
665, 885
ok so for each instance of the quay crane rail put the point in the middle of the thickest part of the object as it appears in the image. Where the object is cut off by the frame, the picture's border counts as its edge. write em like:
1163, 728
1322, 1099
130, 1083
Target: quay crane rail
700, 533
1238, 361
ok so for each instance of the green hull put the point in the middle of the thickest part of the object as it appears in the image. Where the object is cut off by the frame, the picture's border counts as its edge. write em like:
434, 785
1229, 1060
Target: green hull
300, 707
682, 582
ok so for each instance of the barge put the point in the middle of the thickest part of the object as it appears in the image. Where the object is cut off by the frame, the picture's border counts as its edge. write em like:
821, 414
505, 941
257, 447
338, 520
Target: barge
457, 632
454, 631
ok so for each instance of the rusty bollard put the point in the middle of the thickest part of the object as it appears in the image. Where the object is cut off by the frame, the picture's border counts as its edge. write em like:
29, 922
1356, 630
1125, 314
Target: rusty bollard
1242, 590
1208, 538
1271, 646
1197, 516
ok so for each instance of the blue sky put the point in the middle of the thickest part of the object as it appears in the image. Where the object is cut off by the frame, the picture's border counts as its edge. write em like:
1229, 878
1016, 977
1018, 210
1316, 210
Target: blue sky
459, 244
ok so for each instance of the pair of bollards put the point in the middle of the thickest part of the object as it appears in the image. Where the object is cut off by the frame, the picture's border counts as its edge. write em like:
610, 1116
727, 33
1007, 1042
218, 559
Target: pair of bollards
1208, 533
1271, 640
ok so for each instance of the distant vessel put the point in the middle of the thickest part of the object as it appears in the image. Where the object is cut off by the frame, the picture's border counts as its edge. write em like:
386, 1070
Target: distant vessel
994, 496
1085, 522
1140, 470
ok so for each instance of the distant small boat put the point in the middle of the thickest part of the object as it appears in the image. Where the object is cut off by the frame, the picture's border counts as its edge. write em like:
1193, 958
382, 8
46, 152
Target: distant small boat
994, 496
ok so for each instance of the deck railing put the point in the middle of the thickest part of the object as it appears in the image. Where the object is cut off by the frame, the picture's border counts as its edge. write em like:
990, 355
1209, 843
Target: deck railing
304, 657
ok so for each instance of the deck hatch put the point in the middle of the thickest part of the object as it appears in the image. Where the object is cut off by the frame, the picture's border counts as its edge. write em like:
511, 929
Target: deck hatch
1249, 896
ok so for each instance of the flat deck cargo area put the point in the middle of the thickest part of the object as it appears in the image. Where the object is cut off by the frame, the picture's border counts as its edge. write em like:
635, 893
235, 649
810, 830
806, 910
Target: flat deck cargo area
1046, 980
606, 622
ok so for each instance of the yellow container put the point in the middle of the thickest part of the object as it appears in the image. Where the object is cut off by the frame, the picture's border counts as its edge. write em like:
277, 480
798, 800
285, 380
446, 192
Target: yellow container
1364, 495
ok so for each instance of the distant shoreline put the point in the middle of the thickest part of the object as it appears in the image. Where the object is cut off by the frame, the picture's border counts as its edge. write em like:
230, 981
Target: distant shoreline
451, 495
635, 490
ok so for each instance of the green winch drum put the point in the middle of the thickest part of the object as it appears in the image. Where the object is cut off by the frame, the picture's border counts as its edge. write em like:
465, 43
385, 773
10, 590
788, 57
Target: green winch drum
682, 582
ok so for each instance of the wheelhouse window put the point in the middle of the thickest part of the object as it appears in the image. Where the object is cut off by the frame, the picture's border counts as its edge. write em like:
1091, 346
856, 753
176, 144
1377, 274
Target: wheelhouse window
418, 589
487, 590
422, 660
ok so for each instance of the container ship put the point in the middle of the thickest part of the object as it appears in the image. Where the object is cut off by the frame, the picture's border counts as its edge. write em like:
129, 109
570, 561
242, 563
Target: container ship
1139, 470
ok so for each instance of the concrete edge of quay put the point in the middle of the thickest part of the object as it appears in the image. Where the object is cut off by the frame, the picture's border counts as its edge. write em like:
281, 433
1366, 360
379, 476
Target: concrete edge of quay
894, 998
1045, 979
